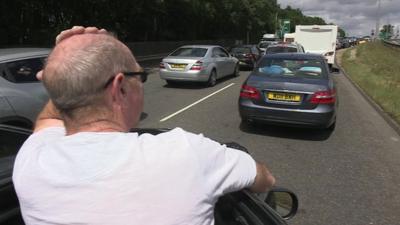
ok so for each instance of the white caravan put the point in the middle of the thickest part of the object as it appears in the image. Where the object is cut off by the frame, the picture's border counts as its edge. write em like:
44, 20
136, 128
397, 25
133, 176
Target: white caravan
320, 39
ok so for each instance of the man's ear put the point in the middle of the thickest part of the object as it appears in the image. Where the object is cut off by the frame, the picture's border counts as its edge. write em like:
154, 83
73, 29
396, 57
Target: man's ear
117, 87
39, 75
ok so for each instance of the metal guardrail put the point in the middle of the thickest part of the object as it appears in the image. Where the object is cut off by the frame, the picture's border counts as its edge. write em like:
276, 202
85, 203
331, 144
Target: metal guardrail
393, 42
158, 49
151, 57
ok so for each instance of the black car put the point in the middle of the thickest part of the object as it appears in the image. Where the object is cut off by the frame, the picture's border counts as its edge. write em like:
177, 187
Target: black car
293, 89
242, 207
248, 55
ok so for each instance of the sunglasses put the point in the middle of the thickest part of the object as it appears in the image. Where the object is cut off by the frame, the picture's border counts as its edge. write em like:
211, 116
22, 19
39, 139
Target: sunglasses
142, 75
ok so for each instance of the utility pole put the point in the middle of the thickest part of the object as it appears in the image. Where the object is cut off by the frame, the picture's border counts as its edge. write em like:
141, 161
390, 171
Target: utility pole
378, 17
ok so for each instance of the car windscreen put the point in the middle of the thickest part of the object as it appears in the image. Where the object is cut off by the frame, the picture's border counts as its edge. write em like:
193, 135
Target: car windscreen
190, 52
281, 49
264, 44
240, 50
305, 68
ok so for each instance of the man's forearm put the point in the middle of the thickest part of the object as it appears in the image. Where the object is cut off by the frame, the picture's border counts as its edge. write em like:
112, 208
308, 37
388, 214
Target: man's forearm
48, 117
264, 179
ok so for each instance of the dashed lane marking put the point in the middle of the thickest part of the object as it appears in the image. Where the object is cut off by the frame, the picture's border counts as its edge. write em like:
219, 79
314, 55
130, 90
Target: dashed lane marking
195, 103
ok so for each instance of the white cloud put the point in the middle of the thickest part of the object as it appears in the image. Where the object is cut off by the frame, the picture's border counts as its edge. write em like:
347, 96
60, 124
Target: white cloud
356, 17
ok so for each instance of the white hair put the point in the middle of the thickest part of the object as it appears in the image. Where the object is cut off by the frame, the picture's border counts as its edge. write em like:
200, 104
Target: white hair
77, 80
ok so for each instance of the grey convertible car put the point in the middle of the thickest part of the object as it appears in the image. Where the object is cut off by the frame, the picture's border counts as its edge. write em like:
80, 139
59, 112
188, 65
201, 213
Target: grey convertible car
239, 208
199, 63
294, 89
21, 94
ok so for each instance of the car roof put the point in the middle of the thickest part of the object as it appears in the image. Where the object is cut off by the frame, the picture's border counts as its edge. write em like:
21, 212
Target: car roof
294, 56
290, 45
199, 46
244, 46
7, 54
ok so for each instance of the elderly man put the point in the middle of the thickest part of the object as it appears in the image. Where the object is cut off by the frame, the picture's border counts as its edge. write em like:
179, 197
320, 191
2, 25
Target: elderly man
82, 166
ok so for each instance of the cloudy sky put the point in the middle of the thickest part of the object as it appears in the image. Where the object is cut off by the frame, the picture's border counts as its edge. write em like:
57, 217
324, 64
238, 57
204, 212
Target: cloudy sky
356, 17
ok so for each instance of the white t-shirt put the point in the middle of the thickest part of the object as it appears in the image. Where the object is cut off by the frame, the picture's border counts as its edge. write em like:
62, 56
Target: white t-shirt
123, 178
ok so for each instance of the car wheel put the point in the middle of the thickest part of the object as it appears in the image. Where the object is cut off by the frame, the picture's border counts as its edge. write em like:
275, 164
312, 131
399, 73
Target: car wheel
212, 80
236, 71
332, 126
246, 122
170, 82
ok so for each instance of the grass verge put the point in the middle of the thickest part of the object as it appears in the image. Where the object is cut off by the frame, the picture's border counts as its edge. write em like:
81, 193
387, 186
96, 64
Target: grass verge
376, 69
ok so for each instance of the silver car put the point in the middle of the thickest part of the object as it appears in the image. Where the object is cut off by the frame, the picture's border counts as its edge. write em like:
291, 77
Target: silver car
22, 96
199, 63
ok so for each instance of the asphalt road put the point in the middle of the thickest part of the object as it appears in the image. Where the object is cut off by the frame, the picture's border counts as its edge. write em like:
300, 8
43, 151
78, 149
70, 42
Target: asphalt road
350, 176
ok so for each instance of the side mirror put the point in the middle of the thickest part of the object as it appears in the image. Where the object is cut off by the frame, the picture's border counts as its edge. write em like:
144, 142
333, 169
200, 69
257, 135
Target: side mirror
283, 201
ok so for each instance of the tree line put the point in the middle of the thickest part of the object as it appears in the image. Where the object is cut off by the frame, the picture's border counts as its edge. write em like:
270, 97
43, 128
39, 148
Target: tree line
34, 22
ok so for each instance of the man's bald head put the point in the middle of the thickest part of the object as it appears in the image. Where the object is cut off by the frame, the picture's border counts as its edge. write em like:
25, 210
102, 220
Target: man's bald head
80, 65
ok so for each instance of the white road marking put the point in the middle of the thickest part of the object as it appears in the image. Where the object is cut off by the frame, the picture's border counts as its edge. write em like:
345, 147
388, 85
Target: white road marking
195, 103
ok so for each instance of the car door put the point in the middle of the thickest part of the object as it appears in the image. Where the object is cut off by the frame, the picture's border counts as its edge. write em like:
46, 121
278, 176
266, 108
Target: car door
23, 91
219, 61
11, 139
229, 62
244, 208
256, 52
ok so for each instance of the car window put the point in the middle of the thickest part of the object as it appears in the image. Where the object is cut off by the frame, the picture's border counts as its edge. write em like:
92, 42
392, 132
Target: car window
254, 50
218, 52
281, 49
190, 52
263, 45
240, 50
23, 71
310, 68
223, 53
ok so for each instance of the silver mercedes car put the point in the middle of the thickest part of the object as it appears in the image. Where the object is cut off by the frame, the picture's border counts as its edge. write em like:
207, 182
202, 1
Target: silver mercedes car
199, 63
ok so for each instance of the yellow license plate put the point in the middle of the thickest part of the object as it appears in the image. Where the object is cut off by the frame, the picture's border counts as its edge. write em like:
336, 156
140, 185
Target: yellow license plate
277, 96
178, 66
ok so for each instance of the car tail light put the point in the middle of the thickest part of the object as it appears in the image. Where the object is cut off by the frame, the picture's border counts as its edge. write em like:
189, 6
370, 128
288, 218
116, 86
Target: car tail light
197, 66
329, 54
162, 66
250, 55
249, 92
324, 97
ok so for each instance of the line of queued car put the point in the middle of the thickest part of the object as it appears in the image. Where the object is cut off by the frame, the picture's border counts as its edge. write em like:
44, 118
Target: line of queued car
285, 87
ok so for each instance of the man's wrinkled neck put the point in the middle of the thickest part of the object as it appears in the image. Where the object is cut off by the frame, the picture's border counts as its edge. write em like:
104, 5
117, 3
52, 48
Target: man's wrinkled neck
95, 125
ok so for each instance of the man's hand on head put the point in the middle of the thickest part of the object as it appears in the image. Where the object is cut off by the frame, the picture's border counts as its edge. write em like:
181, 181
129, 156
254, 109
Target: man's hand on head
78, 30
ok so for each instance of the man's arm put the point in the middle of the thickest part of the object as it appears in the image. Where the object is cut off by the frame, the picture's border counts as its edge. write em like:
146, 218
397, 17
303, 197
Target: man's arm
264, 179
48, 117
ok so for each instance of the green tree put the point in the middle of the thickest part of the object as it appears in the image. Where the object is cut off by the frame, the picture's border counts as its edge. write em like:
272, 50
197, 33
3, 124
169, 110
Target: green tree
342, 33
